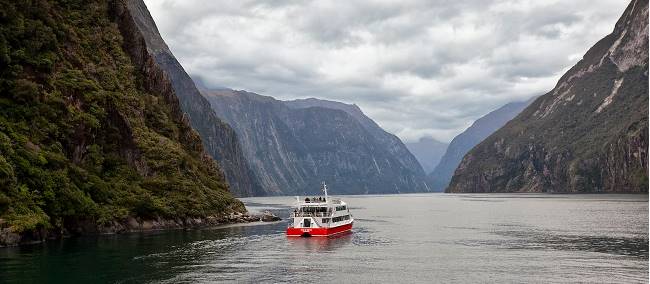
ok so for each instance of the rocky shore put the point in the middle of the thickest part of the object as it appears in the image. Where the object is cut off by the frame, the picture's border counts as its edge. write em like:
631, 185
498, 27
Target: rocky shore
129, 225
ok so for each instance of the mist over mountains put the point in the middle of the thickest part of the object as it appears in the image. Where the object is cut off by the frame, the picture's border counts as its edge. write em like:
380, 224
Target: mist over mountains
428, 152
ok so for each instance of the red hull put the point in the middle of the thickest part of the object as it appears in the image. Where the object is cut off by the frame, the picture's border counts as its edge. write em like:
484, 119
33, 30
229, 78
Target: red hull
318, 232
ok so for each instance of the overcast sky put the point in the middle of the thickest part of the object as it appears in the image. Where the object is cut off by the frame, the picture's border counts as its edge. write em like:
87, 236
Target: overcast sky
418, 68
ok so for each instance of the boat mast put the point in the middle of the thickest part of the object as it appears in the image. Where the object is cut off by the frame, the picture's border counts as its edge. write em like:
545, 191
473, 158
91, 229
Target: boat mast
324, 187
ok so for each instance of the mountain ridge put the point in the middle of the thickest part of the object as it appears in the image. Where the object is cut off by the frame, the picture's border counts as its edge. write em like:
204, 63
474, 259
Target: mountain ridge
588, 134
294, 146
480, 129
394, 145
219, 138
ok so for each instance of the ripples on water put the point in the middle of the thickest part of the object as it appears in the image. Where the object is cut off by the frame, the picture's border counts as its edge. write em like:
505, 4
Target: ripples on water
629, 246
531, 240
396, 238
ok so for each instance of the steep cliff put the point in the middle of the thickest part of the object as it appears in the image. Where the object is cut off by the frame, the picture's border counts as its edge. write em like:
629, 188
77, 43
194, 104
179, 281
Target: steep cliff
440, 177
91, 132
220, 139
589, 134
295, 147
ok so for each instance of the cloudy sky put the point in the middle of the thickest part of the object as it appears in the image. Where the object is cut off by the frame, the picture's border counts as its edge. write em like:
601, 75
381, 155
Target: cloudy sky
417, 67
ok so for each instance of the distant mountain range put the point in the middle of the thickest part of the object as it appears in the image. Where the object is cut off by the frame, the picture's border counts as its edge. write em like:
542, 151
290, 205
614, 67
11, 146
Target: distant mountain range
428, 152
295, 145
461, 144
588, 134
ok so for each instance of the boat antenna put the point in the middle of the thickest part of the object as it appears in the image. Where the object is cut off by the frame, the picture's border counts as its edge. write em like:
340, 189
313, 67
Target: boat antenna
324, 187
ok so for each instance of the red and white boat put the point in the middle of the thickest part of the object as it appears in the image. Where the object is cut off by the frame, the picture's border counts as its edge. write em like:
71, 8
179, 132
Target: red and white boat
319, 217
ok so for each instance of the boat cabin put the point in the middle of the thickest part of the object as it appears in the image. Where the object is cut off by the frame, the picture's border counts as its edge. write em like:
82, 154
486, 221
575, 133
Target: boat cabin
320, 212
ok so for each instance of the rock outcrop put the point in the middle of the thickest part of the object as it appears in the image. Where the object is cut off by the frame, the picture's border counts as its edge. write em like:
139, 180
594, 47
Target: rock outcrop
294, 146
589, 134
219, 138
440, 177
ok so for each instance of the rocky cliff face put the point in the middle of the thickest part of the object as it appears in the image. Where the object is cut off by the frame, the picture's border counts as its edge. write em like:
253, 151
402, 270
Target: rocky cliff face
91, 132
295, 147
589, 134
440, 177
220, 139
428, 152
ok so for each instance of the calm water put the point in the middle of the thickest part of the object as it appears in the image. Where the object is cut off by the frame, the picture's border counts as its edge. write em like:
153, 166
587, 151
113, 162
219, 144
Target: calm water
397, 238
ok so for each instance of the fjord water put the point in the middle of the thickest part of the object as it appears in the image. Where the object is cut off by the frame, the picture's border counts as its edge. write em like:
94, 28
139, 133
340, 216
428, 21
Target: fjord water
396, 238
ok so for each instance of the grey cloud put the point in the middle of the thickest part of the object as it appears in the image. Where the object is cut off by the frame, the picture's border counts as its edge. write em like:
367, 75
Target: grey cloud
417, 67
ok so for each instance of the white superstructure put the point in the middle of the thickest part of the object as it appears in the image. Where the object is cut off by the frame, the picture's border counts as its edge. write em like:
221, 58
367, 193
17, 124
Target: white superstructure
319, 215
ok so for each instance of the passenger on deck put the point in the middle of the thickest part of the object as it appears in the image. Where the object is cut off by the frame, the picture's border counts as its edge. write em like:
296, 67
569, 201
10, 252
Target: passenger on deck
307, 199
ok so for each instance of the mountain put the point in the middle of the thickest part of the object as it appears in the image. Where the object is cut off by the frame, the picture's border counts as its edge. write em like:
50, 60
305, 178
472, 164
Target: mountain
92, 136
391, 143
588, 134
428, 152
219, 139
294, 146
479, 130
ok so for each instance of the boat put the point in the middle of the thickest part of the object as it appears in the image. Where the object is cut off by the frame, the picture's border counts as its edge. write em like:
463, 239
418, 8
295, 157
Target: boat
321, 216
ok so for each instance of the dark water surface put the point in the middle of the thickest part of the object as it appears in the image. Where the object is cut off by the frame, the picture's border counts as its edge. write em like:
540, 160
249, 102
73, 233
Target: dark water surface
396, 238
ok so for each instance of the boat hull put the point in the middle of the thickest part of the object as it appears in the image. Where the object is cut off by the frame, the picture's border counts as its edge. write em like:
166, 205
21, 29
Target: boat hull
318, 232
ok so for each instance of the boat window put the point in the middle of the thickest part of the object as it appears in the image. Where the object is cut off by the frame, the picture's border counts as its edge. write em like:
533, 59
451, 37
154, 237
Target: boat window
341, 208
341, 218
306, 223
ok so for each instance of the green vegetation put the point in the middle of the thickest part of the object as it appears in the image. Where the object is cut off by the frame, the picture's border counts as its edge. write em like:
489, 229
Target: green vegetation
80, 138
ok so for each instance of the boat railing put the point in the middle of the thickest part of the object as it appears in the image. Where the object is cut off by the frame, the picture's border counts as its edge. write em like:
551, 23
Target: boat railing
321, 201
311, 214
315, 201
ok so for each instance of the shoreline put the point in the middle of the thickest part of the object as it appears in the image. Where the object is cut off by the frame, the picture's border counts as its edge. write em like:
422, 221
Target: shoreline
134, 225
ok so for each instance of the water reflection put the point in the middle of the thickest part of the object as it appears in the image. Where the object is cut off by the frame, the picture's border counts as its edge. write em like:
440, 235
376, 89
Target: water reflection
320, 244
